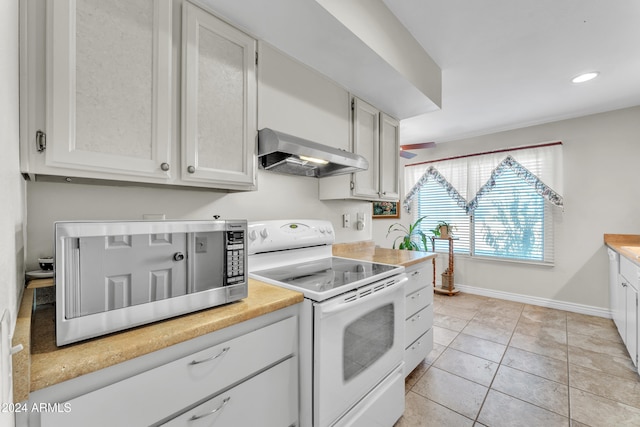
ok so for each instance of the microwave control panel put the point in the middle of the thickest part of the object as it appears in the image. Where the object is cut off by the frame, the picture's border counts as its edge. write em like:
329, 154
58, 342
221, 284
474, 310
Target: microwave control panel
235, 257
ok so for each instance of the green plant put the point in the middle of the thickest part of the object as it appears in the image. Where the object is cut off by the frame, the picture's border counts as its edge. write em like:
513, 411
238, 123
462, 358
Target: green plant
408, 235
436, 230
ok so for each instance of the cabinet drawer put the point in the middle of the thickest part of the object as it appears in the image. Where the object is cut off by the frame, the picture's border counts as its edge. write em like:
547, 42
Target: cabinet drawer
630, 271
267, 400
418, 324
418, 300
160, 392
417, 351
420, 275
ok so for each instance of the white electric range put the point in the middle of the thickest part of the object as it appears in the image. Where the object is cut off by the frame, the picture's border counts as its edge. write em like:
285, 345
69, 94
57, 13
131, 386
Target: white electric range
352, 323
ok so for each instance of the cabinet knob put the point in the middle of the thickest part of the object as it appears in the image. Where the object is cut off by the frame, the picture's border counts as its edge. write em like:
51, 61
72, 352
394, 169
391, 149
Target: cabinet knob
165, 166
178, 256
191, 169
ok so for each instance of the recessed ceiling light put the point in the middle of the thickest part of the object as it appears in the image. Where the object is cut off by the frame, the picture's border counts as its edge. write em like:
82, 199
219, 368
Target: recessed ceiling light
585, 77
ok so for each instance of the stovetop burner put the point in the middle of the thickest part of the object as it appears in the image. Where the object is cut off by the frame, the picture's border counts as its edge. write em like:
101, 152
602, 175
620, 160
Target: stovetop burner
326, 277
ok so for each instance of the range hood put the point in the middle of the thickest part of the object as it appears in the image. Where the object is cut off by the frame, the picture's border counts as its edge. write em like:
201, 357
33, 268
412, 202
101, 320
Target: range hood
288, 154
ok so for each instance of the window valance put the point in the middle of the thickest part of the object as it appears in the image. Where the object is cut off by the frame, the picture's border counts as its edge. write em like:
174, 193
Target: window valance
467, 178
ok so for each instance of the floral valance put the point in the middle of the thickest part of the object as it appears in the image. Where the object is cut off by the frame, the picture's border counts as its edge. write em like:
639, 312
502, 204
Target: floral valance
468, 179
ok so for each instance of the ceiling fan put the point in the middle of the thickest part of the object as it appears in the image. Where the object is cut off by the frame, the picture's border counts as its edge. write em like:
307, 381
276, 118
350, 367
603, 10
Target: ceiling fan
404, 149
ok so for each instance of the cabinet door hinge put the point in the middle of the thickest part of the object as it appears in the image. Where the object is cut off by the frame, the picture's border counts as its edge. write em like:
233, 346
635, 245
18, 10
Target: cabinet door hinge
352, 185
256, 58
353, 104
41, 141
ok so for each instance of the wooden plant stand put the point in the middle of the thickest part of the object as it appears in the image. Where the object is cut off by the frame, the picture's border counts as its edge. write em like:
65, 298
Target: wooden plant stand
450, 290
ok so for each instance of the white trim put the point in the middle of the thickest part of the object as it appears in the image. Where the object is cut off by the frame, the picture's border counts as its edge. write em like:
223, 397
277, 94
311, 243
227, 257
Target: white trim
543, 302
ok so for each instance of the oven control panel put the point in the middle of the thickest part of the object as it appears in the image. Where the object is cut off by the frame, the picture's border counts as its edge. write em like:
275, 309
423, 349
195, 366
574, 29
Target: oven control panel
276, 235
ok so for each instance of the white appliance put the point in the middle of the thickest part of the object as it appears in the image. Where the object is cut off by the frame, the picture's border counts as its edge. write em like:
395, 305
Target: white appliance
352, 325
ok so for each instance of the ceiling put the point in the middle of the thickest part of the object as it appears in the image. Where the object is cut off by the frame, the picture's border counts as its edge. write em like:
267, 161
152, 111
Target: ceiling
508, 64
505, 64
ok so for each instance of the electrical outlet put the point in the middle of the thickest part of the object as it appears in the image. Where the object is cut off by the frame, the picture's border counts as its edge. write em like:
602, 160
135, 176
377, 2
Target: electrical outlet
346, 220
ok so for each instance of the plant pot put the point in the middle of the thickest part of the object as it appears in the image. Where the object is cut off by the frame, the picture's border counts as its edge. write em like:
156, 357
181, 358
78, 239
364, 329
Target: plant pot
444, 232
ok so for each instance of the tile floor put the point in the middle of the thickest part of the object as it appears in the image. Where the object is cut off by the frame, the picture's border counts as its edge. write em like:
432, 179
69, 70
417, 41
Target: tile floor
502, 363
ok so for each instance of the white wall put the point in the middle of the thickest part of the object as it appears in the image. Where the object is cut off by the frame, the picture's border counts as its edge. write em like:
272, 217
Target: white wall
292, 99
601, 194
12, 186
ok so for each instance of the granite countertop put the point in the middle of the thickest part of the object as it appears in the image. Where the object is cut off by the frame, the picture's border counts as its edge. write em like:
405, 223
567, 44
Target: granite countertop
367, 251
627, 245
49, 364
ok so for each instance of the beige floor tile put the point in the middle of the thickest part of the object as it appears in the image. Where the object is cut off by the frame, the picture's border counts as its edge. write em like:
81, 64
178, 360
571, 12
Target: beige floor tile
488, 332
435, 353
449, 322
496, 319
538, 329
596, 411
536, 390
505, 308
501, 410
599, 345
422, 412
469, 301
467, 366
479, 347
619, 366
543, 346
611, 387
542, 366
459, 312
443, 336
597, 328
456, 393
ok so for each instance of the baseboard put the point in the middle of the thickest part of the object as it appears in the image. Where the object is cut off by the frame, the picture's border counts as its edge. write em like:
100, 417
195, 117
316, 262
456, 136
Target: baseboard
543, 302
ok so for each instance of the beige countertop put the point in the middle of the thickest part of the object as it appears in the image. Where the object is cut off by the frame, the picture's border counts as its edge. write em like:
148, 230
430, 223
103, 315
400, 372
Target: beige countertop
627, 245
49, 364
367, 251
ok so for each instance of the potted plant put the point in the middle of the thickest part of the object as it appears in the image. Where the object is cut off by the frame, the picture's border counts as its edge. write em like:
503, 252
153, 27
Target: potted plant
408, 235
443, 230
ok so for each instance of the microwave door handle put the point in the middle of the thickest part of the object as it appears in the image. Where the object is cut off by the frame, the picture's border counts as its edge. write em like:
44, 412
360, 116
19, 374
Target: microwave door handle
348, 305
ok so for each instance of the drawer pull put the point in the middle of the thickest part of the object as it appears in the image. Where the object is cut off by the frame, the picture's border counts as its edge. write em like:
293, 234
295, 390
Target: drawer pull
416, 318
415, 273
219, 408
416, 346
222, 353
416, 296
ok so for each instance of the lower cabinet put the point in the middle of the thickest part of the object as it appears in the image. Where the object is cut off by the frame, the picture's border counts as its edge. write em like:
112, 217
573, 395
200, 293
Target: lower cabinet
624, 284
263, 400
249, 379
419, 315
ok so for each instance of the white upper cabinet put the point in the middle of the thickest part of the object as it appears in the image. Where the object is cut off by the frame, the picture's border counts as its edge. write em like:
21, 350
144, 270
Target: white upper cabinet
104, 101
389, 161
375, 136
366, 142
218, 100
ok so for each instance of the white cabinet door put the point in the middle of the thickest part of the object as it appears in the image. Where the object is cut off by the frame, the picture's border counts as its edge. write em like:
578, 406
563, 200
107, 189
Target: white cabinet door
219, 120
389, 162
366, 142
109, 86
616, 292
631, 329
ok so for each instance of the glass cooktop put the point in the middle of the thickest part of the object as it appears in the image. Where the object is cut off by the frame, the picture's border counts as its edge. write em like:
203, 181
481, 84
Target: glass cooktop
324, 278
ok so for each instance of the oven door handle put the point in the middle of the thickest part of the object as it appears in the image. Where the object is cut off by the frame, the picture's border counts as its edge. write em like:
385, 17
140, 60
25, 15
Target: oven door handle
347, 305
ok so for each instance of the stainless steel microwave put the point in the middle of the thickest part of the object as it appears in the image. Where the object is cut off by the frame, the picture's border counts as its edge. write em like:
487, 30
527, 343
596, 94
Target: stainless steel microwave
111, 276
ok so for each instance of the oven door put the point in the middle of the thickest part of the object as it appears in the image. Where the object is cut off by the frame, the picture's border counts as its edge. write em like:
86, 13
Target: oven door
358, 341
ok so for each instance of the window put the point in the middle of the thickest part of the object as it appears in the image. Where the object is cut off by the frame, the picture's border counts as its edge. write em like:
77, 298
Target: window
500, 207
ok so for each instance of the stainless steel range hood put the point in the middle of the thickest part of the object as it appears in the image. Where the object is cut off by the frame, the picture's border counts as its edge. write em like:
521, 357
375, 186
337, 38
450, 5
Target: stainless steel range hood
283, 153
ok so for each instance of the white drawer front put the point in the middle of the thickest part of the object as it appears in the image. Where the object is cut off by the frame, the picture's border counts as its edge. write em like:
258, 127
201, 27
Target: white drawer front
158, 393
418, 324
267, 400
417, 351
630, 271
418, 300
420, 275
